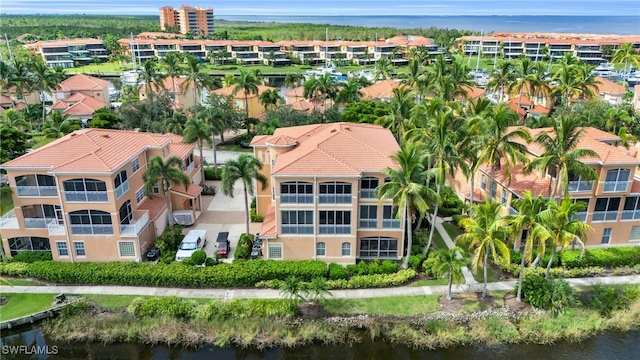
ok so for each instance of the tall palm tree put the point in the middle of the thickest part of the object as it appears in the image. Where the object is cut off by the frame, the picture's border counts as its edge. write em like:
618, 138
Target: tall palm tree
292, 80
172, 64
6, 77
587, 82
196, 76
382, 69
310, 90
562, 225
406, 188
246, 169
485, 233
175, 123
248, 82
476, 116
229, 80
57, 126
566, 82
416, 78
448, 262
168, 173
400, 111
327, 87
561, 154
528, 218
269, 126
151, 78
501, 77
43, 79
521, 83
197, 130
270, 98
14, 119
350, 91
626, 54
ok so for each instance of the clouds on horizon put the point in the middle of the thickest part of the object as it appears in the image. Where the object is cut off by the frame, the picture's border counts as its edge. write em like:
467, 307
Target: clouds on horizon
334, 7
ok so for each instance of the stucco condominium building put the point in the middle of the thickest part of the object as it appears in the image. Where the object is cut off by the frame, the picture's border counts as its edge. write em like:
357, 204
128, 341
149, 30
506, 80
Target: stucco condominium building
187, 18
82, 197
68, 52
320, 200
612, 199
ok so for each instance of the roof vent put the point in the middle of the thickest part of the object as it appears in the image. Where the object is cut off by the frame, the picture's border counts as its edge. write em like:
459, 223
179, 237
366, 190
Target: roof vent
105, 136
73, 134
347, 128
333, 130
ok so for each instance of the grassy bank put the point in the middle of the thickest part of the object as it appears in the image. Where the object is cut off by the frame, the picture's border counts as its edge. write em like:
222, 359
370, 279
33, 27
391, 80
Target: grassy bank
20, 305
411, 321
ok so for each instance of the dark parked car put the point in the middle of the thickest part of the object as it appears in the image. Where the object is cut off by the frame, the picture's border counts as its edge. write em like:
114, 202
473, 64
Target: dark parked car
222, 242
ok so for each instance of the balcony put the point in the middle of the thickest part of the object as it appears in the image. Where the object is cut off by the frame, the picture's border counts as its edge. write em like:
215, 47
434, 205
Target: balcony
335, 199
296, 198
368, 223
390, 224
580, 216
575, 186
297, 229
36, 223
135, 227
55, 228
631, 214
615, 186
37, 191
605, 215
86, 196
368, 193
9, 220
335, 229
122, 189
191, 167
95, 229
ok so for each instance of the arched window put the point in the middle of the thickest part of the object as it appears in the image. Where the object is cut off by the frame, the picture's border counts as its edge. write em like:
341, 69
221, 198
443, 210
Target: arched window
126, 214
88, 190
121, 184
321, 249
346, 249
90, 222
368, 187
36, 185
335, 192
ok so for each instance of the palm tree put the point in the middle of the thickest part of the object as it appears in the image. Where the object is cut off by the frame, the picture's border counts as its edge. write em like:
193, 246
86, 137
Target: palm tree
501, 77
521, 83
566, 82
229, 80
562, 225
350, 91
197, 130
626, 54
485, 233
268, 126
476, 113
246, 169
382, 69
43, 79
57, 126
528, 217
269, 98
173, 67
327, 88
152, 79
248, 82
293, 289
406, 188
6, 77
175, 123
416, 78
317, 289
587, 82
400, 111
168, 173
14, 119
197, 76
449, 262
310, 90
292, 80
561, 155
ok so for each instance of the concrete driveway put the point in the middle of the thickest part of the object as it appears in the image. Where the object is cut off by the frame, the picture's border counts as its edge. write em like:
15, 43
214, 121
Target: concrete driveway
225, 213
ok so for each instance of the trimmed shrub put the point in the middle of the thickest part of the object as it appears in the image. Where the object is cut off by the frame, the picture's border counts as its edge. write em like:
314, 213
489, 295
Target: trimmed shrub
169, 306
415, 261
389, 267
168, 257
198, 257
548, 294
170, 239
516, 257
451, 203
242, 309
255, 217
609, 257
606, 299
14, 269
210, 262
337, 272
243, 250
357, 282
32, 256
372, 268
211, 174
209, 190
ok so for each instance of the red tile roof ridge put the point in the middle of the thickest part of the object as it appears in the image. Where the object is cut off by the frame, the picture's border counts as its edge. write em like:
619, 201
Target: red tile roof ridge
80, 157
347, 125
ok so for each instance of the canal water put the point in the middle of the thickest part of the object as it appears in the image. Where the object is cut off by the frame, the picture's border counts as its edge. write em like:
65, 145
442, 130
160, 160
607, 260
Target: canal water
607, 346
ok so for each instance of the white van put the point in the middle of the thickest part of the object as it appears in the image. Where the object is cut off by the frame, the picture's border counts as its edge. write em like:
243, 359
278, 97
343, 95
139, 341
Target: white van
194, 240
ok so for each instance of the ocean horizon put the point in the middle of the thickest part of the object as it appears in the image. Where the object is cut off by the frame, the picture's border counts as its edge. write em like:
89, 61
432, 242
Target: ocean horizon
619, 25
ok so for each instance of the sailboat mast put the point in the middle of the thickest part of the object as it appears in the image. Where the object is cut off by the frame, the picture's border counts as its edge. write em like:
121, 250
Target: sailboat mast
8, 46
326, 40
133, 54
479, 50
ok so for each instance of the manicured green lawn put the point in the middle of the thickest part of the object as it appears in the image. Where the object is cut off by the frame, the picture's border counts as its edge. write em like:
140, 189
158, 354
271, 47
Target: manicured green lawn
492, 275
24, 304
398, 305
437, 239
23, 282
233, 147
452, 230
102, 68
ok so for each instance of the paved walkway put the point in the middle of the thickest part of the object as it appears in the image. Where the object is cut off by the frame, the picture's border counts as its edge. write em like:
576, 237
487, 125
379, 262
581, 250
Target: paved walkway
468, 277
273, 294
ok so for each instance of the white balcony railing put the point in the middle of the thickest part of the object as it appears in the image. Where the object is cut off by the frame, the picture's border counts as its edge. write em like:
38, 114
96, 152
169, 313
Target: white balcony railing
86, 196
296, 198
55, 228
335, 229
335, 199
297, 229
615, 186
390, 224
122, 189
134, 228
631, 215
36, 223
95, 229
580, 186
369, 223
36, 191
191, 167
9, 220
368, 193
605, 215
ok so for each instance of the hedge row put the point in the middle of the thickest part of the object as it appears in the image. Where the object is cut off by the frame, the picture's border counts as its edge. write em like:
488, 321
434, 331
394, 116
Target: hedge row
560, 272
358, 281
241, 274
609, 257
32, 256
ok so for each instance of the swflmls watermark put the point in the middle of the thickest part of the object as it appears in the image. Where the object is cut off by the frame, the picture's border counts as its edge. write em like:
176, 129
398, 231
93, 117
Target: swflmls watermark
29, 350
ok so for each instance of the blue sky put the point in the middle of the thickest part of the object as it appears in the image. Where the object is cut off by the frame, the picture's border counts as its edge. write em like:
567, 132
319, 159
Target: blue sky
333, 7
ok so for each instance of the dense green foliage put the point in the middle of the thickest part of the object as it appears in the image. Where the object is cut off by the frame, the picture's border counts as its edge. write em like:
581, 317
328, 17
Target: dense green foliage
13, 143
211, 174
609, 257
373, 267
365, 111
549, 294
32, 256
198, 257
254, 212
243, 250
357, 281
337, 272
170, 239
606, 299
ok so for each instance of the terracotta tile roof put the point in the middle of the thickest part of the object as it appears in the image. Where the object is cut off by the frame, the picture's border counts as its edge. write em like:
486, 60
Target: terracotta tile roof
67, 42
539, 109
513, 105
334, 149
607, 86
411, 40
5, 100
295, 92
380, 90
227, 91
281, 140
307, 106
268, 228
192, 191
519, 182
79, 105
472, 92
155, 206
179, 148
83, 82
478, 194
91, 150
75, 97
635, 187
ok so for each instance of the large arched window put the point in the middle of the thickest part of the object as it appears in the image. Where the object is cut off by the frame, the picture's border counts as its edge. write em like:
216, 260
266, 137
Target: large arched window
85, 190
121, 184
36, 185
38, 216
321, 249
90, 222
335, 192
126, 214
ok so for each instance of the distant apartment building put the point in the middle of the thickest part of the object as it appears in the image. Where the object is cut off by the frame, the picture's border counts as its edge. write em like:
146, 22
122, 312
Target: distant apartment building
82, 197
69, 52
320, 202
188, 18
611, 200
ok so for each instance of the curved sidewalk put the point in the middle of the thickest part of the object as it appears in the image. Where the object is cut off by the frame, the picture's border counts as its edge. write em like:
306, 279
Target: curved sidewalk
274, 294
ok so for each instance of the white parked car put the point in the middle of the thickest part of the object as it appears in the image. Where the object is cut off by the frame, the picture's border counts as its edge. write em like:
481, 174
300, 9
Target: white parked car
194, 240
